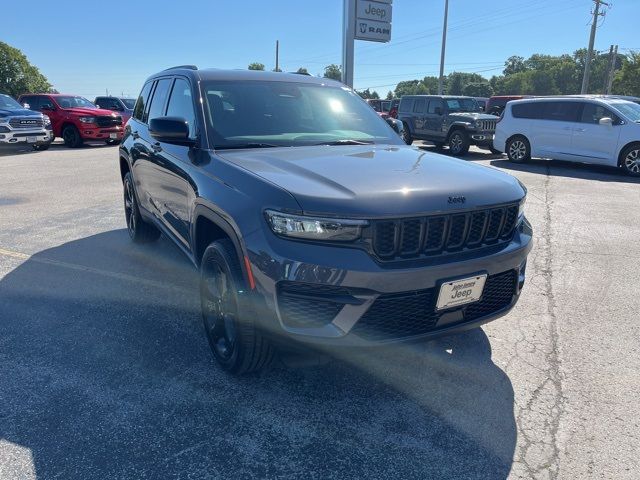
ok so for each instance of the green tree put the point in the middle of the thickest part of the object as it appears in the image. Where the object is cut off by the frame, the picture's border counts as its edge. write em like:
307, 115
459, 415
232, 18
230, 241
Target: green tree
514, 64
303, 70
478, 89
627, 79
333, 71
456, 81
389, 95
17, 75
366, 94
256, 66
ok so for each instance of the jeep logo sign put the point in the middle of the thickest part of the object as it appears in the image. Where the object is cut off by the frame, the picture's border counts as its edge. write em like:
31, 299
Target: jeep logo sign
373, 20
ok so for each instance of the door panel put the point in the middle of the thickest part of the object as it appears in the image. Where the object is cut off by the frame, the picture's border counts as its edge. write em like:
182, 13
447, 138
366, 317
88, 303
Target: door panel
435, 121
552, 131
592, 142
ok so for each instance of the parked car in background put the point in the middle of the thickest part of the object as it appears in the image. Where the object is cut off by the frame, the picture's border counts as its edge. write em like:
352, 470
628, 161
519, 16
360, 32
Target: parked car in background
495, 105
393, 109
21, 125
75, 118
313, 225
121, 105
380, 106
597, 130
446, 120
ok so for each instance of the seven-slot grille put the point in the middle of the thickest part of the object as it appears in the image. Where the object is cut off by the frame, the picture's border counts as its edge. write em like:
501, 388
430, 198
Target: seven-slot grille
28, 122
486, 125
412, 237
104, 121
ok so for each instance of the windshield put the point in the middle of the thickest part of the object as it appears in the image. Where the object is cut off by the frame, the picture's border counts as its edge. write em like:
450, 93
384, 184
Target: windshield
462, 105
9, 103
629, 109
289, 114
129, 102
68, 101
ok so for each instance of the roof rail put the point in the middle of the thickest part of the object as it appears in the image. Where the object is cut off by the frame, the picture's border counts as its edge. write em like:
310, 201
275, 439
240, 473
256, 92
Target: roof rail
186, 67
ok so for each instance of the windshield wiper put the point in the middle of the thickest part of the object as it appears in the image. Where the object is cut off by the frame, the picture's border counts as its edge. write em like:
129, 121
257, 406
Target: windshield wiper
246, 145
346, 142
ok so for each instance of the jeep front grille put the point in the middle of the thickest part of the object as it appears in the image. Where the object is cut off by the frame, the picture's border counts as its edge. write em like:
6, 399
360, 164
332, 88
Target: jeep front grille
486, 125
434, 235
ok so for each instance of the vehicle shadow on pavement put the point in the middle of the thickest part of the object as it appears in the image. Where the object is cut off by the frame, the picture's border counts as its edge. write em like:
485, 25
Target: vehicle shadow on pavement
560, 168
105, 373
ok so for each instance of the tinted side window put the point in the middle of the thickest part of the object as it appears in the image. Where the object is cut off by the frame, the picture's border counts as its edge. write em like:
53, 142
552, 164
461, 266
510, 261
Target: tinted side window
108, 103
433, 104
561, 111
526, 110
592, 113
141, 103
420, 105
406, 104
34, 102
159, 100
181, 104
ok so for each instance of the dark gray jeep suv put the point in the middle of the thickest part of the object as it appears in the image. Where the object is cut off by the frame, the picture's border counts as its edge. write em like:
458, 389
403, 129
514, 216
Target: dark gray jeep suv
310, 220
447, 120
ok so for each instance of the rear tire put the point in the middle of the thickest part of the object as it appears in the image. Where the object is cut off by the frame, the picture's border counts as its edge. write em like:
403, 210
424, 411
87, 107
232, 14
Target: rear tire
459, 143
237, 345
139, 230
71, 137
630, 160
518, 149
406, 134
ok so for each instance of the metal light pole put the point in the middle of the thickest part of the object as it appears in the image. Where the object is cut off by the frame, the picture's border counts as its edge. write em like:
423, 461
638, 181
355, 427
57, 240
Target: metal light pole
349, 25
444, 45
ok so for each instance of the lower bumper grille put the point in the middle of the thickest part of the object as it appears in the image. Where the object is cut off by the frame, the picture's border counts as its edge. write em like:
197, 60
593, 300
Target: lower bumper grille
407, 314
303, 305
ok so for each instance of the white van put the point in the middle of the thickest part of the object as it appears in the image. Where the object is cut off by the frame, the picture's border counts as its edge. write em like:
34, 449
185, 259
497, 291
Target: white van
604, 131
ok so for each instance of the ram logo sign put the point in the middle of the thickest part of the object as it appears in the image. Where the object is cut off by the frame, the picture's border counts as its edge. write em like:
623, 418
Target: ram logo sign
373, 20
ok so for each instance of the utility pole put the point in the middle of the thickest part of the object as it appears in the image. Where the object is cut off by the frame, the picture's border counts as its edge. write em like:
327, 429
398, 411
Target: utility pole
592, 38
277, 55
444, 45
613, 57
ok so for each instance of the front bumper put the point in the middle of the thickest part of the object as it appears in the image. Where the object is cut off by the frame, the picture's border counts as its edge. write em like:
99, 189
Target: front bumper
481, 138
341, 296
93, 132
34, 137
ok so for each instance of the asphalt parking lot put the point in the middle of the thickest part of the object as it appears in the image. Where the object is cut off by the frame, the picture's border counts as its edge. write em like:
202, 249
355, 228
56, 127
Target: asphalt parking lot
105, 371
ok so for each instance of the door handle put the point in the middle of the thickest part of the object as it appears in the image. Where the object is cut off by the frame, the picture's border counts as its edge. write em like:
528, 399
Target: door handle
580, 130
156, 147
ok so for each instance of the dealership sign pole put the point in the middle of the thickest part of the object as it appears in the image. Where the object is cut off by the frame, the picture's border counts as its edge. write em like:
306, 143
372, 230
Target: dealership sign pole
367, 20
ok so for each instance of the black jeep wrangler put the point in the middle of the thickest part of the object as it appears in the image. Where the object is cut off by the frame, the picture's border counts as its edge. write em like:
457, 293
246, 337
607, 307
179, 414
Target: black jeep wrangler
455, 121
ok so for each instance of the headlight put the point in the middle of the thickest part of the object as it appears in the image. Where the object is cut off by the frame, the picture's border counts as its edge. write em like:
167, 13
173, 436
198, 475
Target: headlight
87, 119
521, 207
314, 228
47, 120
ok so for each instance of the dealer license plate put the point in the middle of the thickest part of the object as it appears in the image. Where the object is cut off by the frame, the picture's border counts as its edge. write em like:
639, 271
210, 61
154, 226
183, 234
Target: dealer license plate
461, 292
32, 139
113, 135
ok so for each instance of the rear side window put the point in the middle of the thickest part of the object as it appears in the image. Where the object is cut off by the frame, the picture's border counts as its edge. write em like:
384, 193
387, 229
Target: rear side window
181, 104
141, 103
406, 105
527, 110
592, 113
420, 105
561, 111
159, 99
433, 104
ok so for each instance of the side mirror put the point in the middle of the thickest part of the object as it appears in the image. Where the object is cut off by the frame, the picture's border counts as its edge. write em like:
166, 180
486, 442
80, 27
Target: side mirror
27, 106
170, 130
47, 107
395, 124
606, 121
438, 110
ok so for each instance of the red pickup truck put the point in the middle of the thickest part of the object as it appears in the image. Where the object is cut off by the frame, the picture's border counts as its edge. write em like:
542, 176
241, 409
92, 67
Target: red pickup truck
75, 118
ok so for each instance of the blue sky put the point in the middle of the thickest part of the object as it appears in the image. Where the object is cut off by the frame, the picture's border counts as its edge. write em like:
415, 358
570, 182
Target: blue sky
87, 47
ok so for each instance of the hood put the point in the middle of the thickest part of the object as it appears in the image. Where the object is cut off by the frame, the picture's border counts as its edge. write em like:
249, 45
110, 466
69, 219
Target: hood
376, 180
19, 112
473, 116
93, 112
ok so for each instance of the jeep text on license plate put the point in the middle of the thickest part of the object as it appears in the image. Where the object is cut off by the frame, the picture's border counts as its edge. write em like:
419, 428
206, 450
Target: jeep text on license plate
460, 292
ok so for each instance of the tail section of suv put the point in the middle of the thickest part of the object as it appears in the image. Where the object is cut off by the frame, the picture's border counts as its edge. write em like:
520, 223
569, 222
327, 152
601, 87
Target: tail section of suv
310, 220
21, 125
585, 129
76, 119
446, 120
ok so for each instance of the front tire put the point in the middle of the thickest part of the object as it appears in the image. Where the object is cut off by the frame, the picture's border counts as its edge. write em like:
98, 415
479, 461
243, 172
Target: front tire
406, 134
71, 137
235, 342
139, 230
518, 149
630, 160
459, 143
